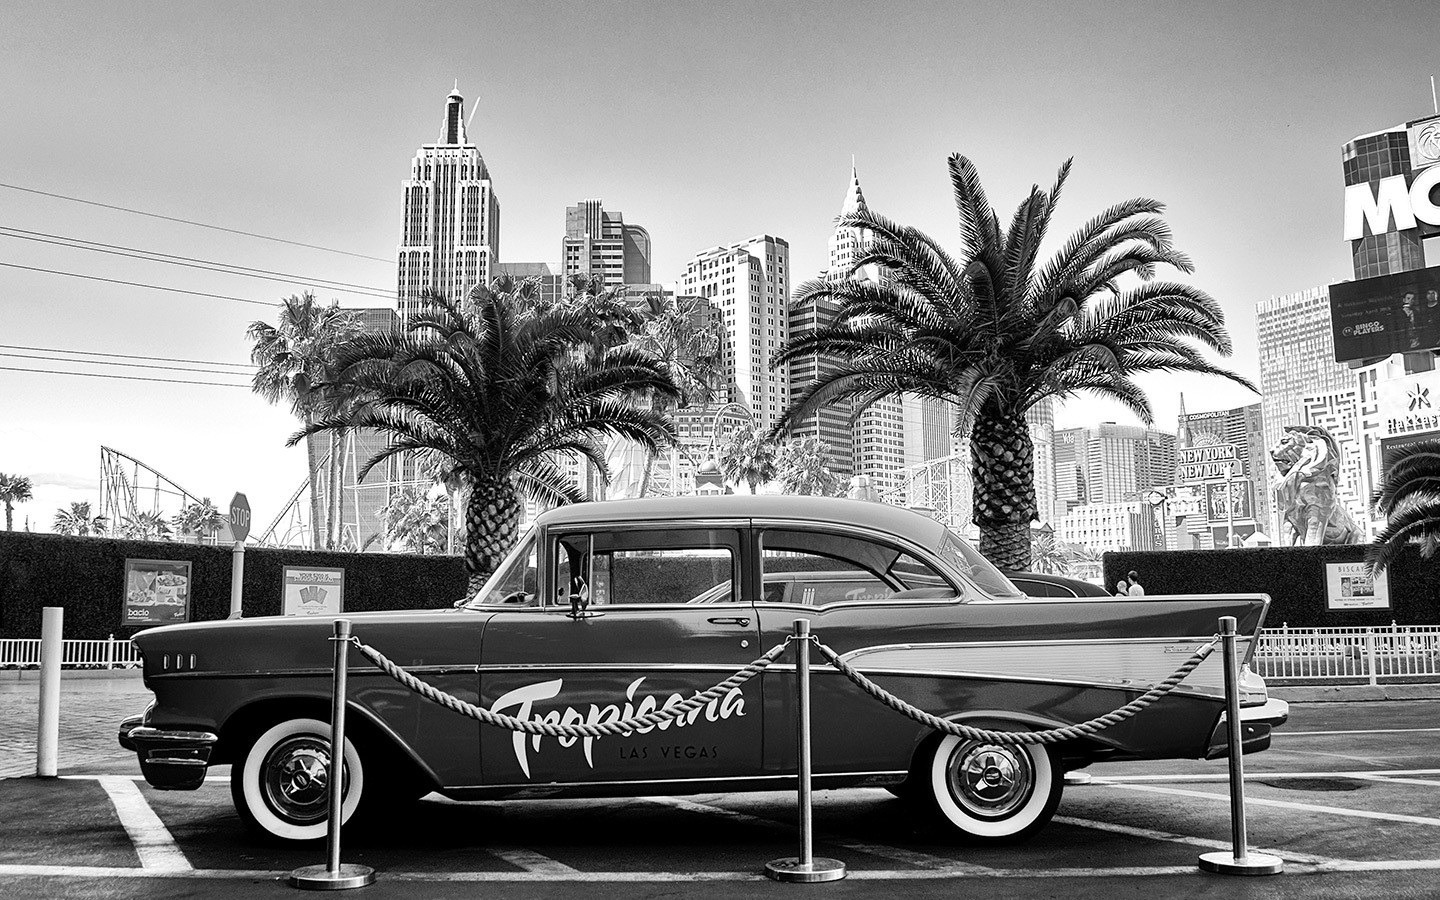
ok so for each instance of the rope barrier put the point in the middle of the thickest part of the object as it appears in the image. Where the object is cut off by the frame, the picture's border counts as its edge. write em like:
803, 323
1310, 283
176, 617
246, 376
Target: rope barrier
1051, 736
750, 670
574, 730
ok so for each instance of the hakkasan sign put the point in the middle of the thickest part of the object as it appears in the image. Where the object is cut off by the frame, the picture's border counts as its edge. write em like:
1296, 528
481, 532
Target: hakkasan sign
1349, 585
313, 592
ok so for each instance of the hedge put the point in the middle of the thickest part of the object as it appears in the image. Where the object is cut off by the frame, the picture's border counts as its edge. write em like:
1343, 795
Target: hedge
1294, 577
85, 575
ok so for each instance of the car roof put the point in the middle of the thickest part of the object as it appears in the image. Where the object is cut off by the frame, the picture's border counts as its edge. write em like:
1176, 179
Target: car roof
895, 520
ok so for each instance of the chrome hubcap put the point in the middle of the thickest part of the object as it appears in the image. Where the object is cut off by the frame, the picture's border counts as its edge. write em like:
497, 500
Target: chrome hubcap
991, 780
297, 778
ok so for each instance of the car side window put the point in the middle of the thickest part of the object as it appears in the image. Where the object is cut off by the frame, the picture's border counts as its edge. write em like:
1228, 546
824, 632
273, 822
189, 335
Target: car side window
836, 568
647, 566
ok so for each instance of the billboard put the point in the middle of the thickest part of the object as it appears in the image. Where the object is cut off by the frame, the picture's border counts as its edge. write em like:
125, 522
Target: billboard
1349, 585
1375, 317
157, 592
1241, 506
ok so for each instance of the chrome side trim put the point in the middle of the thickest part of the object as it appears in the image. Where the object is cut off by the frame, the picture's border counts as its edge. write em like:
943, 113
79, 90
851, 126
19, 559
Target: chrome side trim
552, 788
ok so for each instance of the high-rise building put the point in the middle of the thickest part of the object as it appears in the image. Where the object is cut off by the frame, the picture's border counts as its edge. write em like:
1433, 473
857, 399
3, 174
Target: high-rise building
1109, 462
602, 245
1217, 520
450, 232
749, 283
1302, 384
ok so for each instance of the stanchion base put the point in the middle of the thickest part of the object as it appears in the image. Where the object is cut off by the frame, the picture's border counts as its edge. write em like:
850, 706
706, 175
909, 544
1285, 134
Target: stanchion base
321, 878
818, 869
1223, 862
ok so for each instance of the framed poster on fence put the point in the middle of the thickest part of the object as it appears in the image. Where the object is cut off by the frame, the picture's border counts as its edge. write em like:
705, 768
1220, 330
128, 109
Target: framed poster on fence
1348, 585
157, 592
314, 592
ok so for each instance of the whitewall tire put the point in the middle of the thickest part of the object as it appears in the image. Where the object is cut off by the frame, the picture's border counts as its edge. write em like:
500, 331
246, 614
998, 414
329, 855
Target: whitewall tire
281, 787
992, 792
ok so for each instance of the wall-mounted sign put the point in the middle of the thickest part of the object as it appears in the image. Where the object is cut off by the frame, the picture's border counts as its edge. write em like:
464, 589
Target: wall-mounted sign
313, 592
1424, 136
157, 592
1388, 314
1348, 585
1212, 462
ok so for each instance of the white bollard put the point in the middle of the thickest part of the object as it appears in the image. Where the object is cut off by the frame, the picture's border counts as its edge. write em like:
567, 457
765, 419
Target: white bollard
47, 735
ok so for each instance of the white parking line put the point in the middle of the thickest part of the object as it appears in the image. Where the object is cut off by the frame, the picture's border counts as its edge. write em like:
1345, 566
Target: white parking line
895, 854
1282, 804
153, 844
530, 861
1209, 844
1263, 776
1289, 734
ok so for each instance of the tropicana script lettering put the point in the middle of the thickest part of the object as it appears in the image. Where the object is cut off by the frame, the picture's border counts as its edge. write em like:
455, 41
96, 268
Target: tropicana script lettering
523, 700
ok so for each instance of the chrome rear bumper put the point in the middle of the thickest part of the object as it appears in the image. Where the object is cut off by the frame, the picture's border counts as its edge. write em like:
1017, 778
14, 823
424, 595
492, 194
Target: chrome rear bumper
1255, 725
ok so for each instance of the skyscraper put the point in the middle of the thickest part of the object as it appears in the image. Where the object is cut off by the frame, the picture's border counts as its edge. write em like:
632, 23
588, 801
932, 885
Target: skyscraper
450, 233
602, 245
749, 282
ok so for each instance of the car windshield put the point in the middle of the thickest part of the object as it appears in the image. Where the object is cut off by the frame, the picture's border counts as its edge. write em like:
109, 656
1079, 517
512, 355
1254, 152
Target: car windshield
513, 583
976, 567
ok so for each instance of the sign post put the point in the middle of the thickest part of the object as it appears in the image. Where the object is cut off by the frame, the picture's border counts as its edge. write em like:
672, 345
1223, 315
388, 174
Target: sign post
239, 530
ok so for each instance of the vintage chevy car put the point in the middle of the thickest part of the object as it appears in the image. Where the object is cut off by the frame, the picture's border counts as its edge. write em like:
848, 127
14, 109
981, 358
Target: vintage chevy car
607, 610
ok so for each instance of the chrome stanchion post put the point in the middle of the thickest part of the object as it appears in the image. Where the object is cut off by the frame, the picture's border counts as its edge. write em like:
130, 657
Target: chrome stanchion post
335, 875
1239, 861
804, 868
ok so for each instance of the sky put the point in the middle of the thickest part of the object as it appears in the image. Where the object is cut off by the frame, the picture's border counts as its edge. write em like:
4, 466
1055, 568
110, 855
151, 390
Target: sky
704, 123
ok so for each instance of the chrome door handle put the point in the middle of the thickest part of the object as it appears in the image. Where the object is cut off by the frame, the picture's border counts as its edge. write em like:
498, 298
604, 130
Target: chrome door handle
729, 620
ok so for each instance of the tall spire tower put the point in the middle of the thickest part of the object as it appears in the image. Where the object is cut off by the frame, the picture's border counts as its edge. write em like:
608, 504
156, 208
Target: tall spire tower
450, 233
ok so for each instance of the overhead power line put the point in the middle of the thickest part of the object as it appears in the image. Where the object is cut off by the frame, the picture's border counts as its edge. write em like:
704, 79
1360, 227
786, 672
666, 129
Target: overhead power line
191, 262
201, 362
138, 212
123, 377
128, 365
153, 287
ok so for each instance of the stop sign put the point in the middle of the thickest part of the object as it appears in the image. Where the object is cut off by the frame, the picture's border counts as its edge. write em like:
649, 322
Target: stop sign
239, 517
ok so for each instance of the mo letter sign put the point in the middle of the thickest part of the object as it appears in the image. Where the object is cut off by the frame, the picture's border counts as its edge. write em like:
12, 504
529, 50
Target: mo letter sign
239, 517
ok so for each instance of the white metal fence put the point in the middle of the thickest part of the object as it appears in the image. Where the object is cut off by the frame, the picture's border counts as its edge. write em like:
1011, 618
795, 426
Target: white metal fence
113, 653
1349, 654
1289, 654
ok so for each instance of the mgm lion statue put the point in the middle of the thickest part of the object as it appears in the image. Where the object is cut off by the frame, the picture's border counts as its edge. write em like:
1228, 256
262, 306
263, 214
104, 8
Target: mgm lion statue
1308, 459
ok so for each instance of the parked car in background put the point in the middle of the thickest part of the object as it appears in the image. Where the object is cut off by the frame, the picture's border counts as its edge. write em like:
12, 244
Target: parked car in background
1039, 584
608, 610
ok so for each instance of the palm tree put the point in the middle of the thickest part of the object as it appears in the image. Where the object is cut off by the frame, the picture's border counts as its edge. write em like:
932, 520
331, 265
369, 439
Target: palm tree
416, 522
499, 389
1409, 498
1048, 555
749, 456
14, 489
200, 518
77, 521
677, 332
995, 332
803, 466
145, 527
293, 359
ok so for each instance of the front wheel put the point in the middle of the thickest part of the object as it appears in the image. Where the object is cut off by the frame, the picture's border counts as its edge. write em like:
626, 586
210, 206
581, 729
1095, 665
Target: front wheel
991, 792
282, 786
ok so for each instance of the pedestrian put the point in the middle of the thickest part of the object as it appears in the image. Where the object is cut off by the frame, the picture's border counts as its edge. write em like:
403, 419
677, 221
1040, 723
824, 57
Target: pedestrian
1136, 588
1122, 589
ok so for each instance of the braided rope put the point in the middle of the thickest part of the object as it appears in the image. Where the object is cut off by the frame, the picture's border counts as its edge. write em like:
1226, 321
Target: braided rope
577, 730
1051, 736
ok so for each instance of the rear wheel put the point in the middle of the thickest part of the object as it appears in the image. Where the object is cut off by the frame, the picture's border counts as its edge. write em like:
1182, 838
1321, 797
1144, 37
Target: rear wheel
282, 785
992, 792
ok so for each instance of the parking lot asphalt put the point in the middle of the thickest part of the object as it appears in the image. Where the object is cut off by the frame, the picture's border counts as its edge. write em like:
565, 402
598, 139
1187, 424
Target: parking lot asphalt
1346, 796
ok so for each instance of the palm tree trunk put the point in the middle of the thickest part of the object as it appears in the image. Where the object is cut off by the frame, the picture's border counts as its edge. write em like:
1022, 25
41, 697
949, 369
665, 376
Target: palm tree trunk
337, 469
9, 517
1002, 464
317, 517
492, 518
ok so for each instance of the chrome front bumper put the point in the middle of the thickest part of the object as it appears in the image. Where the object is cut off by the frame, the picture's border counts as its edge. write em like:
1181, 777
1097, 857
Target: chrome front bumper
169, 760
1255, 725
